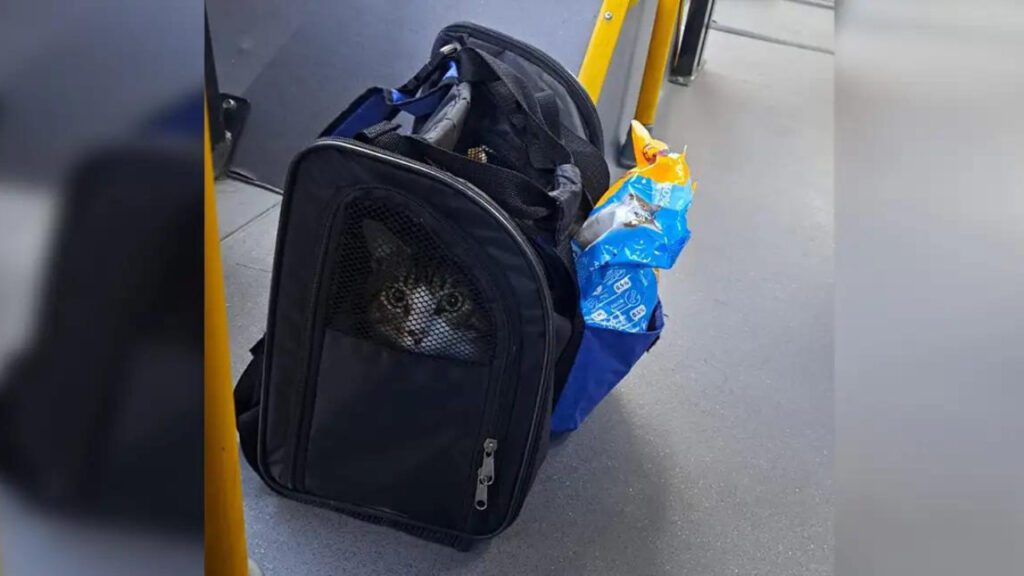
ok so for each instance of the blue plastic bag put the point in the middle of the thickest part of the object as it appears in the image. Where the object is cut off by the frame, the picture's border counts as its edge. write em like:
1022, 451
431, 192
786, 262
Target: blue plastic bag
618, 297
642, 222
639, 226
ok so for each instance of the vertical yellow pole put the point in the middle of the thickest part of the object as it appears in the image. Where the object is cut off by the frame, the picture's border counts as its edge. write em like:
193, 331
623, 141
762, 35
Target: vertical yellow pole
603, 39
225, 553
660, 46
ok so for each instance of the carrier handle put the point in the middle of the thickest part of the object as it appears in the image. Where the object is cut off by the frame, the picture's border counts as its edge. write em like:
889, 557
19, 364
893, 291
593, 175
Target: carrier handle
515, 101
427, 70
507, 89
525, 201
516, 194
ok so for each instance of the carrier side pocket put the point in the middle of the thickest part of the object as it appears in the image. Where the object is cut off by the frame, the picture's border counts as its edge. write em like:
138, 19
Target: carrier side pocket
604, 359
395, 431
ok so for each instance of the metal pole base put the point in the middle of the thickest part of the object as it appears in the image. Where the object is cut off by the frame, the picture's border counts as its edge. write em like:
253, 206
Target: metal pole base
682, 80
626, 157
687, 80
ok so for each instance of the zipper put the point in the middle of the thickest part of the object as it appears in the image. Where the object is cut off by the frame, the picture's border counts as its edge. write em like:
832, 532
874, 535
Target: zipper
491, 424
485, 475
305, 407
486, 470
546, 63
547, 304
594, 130
301, 434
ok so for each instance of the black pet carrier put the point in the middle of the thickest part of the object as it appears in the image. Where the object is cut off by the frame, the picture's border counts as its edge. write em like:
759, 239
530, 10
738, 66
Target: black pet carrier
424, 309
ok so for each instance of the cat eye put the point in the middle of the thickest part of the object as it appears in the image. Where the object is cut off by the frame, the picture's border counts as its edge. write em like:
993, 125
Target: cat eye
452, 302
395, 297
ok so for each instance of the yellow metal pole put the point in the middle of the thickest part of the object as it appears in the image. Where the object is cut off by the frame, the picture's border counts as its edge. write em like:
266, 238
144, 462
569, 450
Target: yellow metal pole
599, 53
658, 49
665, 21
225, 553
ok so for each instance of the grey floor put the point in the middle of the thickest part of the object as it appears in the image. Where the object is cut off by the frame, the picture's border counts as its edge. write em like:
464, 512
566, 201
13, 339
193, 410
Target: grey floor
715, 455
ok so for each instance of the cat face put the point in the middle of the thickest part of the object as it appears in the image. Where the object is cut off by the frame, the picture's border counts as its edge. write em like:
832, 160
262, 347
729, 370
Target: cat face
420, 304
632, 212
641, 212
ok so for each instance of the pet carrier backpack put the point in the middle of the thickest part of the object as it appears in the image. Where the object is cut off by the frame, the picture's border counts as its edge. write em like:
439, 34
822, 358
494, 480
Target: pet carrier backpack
424, 310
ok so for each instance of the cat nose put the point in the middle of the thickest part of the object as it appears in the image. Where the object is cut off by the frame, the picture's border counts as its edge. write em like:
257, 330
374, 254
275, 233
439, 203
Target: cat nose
415, 335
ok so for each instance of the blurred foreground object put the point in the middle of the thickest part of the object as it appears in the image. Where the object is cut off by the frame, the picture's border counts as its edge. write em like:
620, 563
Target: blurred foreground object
101, 377
102, 412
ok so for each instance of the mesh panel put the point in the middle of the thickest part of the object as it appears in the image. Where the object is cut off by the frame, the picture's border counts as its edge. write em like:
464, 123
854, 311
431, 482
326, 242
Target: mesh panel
393, 283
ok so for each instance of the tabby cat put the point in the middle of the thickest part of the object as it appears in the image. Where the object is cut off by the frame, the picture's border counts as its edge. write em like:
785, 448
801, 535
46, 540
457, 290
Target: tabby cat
632, 212
421, 303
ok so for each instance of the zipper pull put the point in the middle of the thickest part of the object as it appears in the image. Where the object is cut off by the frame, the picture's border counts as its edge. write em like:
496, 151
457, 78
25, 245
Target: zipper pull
485, 474
481, 492
487, 470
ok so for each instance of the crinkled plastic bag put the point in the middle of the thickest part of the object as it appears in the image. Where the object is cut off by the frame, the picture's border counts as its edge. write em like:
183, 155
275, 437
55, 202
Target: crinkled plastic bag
642, 217
638, 226
618, 297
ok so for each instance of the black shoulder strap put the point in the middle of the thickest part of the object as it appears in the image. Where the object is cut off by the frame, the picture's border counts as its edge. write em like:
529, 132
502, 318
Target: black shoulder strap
247, 403
534, 208
593, 170
510, 93
508, 89
549, 112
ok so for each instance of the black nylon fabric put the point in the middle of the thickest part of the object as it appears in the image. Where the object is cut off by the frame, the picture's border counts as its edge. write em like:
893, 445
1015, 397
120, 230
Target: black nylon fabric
534, 112
549, 112
593, 171
496, 179
509, 188
321, 177
386, 433
585, 141
534, 208
576, 108
247, 403
511, 94
105, 397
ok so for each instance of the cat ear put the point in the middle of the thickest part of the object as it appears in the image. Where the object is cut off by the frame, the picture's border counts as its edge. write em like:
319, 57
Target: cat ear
383, 245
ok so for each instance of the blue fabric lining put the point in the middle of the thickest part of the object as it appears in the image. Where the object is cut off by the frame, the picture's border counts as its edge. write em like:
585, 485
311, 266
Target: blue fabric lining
452, 73
604, 358
377, 105
370, 111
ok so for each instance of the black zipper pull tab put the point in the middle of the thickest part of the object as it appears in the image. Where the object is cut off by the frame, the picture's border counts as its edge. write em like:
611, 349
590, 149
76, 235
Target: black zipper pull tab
480, 502
487, 470
485, 474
